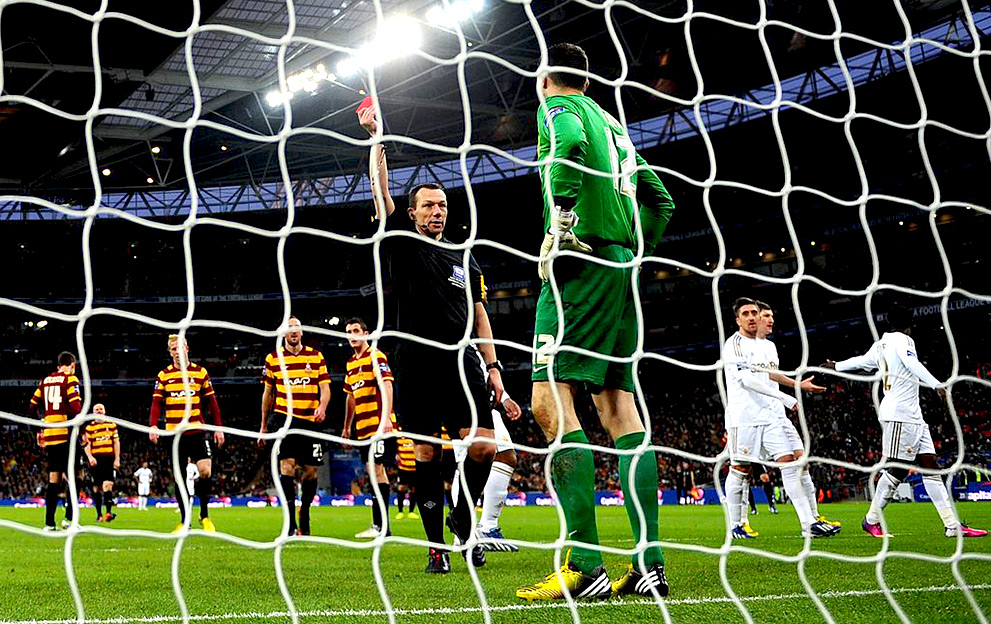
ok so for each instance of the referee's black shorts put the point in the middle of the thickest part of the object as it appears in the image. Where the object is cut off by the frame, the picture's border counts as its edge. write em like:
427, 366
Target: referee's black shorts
429, 392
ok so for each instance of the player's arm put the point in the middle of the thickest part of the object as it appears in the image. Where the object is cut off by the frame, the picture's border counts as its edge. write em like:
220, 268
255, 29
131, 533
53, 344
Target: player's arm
865, 362
378, 167
911, 361
483, 329
72, 394
750, 381
88, 449
513, 409
656, 205
35, 412
209, 396
348, 417
323, 381
157, 401
564, 181
268, 400
116, 451
806, 384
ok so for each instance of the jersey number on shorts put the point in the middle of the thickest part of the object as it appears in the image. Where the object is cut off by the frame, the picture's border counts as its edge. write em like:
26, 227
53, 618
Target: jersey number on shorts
542, 345
53, 398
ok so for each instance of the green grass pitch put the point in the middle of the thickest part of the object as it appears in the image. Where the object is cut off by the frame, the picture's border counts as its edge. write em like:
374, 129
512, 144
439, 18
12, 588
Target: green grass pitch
127, 579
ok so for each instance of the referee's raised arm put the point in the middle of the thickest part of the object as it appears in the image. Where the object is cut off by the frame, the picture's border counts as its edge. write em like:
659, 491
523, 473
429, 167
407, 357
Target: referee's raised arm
378, 169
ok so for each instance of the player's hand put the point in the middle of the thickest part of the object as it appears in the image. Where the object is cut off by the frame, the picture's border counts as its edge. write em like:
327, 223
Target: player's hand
495, 384
319, 414
561, 237
793, 409
808, 386
346, 434
831, 365
92, 461
366, 117
260, 442
153, 435
116, 464
41, 439
942, 394
513, 410
218, 437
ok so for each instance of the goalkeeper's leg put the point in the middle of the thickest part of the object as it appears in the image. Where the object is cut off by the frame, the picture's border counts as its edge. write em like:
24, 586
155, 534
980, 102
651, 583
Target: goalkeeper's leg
573, 478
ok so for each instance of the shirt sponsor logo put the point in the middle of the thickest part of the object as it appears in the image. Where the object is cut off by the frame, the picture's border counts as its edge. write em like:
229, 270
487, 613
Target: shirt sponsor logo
182, 393
299, 381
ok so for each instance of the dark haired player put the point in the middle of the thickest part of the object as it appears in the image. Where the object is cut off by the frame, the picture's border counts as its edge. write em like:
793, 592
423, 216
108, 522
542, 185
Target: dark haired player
364, 409
58, 399
595, 215
906, 436
440, 295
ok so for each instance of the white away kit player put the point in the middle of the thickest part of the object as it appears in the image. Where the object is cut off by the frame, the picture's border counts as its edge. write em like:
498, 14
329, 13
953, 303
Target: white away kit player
497, 486
765, 327
143, 476
906, 436
752, 431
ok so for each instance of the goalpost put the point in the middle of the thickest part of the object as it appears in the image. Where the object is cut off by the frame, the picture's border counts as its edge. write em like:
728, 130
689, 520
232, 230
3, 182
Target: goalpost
704, 112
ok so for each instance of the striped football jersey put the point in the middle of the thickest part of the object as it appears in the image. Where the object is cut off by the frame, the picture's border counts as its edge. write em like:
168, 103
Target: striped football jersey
406, 455
170, 388
58, 393
360, 382
101, 435
305, 373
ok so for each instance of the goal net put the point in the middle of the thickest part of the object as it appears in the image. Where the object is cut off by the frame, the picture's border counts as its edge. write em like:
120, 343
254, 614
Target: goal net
821, 157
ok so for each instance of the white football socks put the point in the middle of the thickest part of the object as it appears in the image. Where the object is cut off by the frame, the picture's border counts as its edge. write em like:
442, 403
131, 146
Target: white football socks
796, 492
936, 490
735, 482
496, 490
885, 489
810, 492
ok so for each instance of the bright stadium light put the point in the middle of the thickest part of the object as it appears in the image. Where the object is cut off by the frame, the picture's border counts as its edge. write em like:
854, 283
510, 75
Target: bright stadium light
307, 80
347, 67
42, 324
106, 171
155, 149
457, 11
150, 180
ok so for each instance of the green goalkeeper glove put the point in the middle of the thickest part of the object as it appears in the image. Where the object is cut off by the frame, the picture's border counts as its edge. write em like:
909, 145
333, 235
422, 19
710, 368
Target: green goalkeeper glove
560, 236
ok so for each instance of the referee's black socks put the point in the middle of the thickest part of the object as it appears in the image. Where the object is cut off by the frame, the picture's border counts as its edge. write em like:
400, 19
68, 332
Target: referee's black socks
289, 487
430, 492
476, 474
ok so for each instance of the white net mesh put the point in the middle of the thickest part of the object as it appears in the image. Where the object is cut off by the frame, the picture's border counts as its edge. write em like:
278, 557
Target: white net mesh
701, 113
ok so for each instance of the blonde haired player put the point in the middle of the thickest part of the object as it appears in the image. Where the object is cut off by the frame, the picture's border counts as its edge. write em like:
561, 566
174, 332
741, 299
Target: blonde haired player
170, 400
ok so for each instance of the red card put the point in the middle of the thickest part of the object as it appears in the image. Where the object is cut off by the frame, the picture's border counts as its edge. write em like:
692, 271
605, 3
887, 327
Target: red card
365, 103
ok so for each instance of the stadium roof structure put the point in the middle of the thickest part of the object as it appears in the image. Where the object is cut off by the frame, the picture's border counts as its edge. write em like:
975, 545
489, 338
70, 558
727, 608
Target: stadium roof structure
235, 51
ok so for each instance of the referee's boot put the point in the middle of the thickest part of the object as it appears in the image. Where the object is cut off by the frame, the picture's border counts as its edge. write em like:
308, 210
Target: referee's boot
438, 562
633, 582
477, 551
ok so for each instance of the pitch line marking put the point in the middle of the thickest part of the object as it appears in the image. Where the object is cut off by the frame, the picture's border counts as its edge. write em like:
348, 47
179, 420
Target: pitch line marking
329, 613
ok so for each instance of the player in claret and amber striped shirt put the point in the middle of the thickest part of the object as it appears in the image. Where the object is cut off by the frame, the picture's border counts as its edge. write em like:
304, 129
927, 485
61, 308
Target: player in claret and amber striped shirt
58, 398
364, 407
102, 445
170, 399
306, 376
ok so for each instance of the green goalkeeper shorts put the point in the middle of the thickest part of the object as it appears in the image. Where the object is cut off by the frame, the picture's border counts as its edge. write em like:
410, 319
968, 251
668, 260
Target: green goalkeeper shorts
599, 315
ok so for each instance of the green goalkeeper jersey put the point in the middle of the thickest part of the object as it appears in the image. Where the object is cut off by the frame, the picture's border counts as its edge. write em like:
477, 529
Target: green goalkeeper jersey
586, 135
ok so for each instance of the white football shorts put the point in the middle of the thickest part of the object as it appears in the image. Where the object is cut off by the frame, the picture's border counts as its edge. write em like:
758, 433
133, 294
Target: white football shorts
904, 441
144, 489
794, 437
503, 441
758, 443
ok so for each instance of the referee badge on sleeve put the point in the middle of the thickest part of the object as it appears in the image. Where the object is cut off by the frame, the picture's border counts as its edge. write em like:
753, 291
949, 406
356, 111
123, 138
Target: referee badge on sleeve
458, 276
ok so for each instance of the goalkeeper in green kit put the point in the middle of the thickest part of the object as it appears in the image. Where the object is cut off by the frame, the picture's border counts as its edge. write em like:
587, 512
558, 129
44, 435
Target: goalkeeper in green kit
593, 215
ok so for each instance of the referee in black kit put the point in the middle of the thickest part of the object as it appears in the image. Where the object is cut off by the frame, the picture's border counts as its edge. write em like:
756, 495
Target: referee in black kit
429, 283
